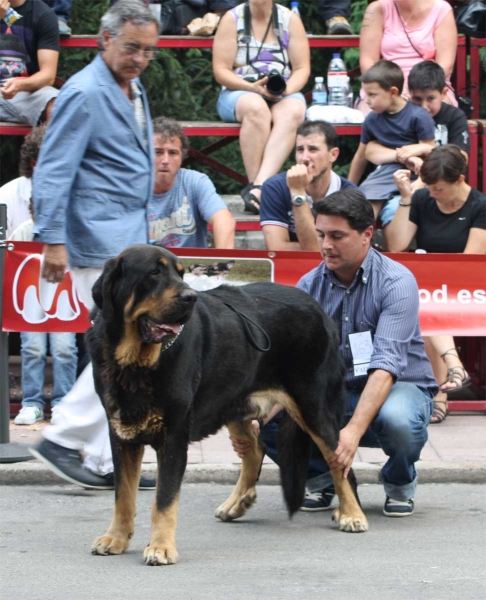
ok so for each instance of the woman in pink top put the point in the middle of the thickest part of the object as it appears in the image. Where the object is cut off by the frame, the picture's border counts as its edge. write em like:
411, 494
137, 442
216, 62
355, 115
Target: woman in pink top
408, 32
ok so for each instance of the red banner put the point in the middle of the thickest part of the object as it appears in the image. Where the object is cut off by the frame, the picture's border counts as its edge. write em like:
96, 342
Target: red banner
452, 286
30, 303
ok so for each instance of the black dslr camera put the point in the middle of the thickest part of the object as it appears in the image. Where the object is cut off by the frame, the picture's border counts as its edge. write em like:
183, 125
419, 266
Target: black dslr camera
276, 84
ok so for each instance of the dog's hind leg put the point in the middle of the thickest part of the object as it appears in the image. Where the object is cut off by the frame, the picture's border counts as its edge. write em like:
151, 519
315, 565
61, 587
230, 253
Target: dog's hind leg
348, 515
128, 461
244, 494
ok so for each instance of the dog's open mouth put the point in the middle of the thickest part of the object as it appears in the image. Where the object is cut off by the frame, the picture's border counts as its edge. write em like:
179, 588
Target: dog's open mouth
152, 332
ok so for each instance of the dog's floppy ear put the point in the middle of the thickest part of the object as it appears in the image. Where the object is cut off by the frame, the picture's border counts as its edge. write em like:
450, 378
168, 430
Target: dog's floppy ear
103, 288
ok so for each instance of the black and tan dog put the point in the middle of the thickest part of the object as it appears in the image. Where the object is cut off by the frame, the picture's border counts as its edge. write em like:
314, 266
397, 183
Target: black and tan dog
173, 366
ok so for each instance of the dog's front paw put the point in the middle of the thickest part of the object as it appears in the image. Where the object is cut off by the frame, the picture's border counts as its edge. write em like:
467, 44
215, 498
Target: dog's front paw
350, 523
109, 544
236, 507
160, 555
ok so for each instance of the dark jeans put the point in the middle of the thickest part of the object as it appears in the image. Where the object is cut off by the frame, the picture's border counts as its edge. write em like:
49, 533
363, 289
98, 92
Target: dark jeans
334, 8
400, 429
62, 8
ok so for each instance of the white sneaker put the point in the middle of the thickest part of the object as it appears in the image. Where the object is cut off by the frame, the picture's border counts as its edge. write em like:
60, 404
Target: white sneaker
54, 414
29, 415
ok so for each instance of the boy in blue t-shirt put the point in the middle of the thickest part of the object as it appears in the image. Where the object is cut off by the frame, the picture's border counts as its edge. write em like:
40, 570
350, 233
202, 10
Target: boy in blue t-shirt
393, 125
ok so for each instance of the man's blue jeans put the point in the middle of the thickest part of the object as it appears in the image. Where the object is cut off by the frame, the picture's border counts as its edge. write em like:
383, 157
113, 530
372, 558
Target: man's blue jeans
327, 9
400, 429
64, 362
62, 8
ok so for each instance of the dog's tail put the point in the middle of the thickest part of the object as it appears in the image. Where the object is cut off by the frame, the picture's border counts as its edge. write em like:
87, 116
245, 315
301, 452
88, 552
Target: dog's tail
294, 449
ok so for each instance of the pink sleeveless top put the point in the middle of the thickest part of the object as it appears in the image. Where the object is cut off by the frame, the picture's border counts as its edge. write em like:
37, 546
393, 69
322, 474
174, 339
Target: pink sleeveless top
395, 45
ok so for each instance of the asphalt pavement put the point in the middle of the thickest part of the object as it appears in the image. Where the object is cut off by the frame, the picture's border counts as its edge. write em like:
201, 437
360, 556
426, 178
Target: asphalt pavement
436, 554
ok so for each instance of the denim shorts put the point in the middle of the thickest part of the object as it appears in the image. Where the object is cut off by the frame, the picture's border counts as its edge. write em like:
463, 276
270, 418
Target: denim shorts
227, 100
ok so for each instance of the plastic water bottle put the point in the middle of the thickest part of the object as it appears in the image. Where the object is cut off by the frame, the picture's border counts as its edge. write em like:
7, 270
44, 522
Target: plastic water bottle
337, 82
294, 7
319, 92
349, 95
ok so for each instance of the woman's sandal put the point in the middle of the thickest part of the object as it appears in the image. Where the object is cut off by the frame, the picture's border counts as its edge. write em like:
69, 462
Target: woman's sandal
456, 375
440, 411
252, 202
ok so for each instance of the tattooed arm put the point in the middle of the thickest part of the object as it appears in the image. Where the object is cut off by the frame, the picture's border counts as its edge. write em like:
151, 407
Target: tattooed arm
370, 36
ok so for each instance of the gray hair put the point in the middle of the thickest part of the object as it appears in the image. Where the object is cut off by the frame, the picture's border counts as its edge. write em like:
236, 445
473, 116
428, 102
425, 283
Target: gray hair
124, 11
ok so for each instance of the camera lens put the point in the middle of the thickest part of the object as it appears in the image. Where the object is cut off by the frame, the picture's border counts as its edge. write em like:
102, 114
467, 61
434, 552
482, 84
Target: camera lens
276, 83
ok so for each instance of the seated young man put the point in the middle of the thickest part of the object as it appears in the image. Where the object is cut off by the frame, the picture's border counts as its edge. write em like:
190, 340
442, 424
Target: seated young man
392, 124
287, 198
184, 201
26, 92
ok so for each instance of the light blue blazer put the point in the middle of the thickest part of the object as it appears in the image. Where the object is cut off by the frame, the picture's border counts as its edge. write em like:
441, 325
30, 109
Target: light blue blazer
94, 175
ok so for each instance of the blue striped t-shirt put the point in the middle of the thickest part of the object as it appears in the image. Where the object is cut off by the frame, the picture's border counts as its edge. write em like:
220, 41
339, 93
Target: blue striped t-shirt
383, 299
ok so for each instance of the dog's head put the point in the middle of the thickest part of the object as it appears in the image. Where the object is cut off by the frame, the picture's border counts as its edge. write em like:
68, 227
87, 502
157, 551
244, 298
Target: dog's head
220, 269
198, 270
143, 286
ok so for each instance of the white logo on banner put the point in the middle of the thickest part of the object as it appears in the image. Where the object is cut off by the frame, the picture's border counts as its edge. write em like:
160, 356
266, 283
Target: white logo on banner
37, 300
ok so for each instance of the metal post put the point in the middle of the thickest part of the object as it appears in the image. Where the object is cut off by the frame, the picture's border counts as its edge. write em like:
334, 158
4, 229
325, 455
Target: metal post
9, 452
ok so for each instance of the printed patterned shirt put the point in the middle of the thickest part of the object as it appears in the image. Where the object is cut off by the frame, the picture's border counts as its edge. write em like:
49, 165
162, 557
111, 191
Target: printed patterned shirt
180, 216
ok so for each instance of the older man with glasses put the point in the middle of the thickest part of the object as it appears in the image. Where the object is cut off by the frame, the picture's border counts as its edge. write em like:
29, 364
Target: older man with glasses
93, 181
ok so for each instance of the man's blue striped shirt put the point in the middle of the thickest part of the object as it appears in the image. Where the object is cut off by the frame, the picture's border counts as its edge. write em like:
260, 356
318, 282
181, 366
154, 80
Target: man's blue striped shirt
383, 299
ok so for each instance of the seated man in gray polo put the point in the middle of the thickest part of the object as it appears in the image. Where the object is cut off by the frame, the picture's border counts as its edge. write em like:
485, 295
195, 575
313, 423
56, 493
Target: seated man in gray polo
29, 52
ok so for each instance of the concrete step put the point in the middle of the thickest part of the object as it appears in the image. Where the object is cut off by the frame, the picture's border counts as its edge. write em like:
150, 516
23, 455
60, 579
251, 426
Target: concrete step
244, 240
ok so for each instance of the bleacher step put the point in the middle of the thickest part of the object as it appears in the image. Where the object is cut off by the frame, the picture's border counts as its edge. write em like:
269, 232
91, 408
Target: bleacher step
245, 240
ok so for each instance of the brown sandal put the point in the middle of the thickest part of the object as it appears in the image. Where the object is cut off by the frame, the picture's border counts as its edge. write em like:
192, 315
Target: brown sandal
456, 375
439, 413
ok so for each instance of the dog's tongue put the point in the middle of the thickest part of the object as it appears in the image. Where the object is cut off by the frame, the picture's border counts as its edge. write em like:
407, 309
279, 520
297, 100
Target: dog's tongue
167, 328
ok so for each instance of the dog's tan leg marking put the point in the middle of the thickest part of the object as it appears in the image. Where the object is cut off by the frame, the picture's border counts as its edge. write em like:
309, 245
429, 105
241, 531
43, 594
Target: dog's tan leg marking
117, 539
348, 515
244, 494
162, 548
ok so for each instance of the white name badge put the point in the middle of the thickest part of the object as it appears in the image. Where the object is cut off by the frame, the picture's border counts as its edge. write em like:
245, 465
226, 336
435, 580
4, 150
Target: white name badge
361, 349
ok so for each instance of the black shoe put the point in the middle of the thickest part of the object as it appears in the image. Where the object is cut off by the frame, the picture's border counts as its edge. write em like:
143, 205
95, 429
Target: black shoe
398, 508
68, 465
317, 501
145, 483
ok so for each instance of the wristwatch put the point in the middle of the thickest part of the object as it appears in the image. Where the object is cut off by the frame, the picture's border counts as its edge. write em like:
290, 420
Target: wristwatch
298, 200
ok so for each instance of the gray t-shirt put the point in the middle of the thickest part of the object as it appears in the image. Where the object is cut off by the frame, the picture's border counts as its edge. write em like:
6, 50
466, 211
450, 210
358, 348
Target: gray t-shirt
180, 216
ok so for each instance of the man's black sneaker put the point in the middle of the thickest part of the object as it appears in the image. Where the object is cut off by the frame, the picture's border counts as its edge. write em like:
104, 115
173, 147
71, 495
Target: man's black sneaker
320, 500
398, 508
68, 464
145, 483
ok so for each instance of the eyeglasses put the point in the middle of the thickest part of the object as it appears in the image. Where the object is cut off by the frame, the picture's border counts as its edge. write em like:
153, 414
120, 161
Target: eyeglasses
150, 52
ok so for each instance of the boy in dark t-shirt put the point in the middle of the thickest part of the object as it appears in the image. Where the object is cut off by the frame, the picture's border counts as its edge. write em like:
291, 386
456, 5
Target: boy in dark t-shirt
393, 124
428, 89
29, 99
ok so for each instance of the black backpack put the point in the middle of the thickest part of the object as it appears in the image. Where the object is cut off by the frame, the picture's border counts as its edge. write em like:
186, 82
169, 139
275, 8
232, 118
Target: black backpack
175, 15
